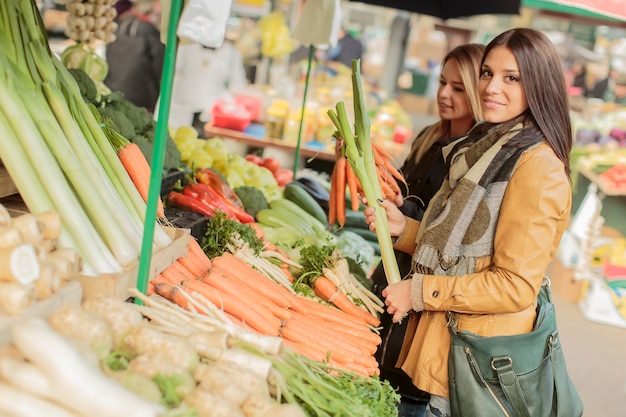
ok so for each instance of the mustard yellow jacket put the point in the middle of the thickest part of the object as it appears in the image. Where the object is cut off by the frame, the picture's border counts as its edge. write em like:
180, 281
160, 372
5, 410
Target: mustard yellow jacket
499, 298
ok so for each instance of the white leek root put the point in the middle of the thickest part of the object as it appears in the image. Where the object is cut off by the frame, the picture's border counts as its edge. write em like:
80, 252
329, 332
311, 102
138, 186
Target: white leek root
16, 298
71, 320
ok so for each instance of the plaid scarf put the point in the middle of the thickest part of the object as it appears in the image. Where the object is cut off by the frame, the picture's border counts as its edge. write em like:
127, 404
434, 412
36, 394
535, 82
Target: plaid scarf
460, 221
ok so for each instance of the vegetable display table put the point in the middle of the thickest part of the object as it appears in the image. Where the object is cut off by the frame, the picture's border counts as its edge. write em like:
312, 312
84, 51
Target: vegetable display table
255, 141
613, 202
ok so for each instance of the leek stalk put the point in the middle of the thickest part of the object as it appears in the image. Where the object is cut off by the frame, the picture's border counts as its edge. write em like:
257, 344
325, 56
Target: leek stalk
360, 155
30, 173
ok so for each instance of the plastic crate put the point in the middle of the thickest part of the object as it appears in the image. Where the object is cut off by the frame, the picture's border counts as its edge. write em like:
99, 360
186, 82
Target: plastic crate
169, 179
186, 219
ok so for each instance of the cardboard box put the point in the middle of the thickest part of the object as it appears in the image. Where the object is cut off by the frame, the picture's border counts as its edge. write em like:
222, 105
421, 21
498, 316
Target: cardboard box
117, 285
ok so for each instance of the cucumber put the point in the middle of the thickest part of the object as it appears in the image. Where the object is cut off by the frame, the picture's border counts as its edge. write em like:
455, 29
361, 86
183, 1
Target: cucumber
302, 198
355, 219
364, 233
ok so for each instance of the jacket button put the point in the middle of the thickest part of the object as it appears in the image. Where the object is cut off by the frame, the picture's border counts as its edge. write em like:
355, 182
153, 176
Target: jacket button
435, 294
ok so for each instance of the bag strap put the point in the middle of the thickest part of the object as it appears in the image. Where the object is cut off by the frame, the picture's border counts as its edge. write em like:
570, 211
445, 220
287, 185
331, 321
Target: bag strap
503, 366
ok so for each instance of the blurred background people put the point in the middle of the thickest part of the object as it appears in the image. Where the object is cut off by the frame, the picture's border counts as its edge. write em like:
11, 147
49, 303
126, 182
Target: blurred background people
348, 48
136, 56
203, 75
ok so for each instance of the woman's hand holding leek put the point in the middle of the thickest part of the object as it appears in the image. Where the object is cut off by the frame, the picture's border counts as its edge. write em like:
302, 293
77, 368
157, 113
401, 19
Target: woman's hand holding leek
395, 218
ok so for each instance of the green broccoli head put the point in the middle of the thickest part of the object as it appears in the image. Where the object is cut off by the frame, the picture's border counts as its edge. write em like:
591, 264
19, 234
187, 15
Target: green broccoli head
88, 89
117, 121
252, 198
140, 117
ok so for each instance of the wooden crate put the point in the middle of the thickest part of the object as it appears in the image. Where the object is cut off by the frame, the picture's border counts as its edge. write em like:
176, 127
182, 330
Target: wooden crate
7, 187
70, 293
117, 285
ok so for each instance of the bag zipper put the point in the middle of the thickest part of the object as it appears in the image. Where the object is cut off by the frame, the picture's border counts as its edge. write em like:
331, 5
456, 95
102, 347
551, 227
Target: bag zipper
478, 374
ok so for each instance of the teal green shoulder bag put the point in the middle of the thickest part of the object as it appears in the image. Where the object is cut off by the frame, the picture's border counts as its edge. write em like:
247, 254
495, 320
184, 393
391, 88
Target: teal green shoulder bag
514, 376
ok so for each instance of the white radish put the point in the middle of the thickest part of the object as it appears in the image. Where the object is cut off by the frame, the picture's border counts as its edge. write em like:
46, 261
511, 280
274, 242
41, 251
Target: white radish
25, 376
48, 282
75, 384
18, 403
10, 237
29, 226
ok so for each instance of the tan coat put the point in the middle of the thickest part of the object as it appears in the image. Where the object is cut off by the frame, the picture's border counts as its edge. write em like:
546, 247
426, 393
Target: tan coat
499, 298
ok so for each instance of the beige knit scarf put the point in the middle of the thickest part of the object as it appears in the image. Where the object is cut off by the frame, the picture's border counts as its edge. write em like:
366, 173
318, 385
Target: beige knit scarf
460, 221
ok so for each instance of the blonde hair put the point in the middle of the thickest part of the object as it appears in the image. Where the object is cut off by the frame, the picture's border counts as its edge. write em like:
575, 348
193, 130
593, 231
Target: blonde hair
468, 57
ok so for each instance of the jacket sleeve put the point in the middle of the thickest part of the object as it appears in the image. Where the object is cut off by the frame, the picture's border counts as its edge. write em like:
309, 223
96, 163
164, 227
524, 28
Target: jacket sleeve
534, 213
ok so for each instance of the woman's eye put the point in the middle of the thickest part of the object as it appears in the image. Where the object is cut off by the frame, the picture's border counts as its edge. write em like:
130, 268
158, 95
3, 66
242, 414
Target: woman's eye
485, 73
512, 78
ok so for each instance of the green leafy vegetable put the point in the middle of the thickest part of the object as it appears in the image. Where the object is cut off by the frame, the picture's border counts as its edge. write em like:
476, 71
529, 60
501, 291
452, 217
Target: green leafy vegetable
221, 231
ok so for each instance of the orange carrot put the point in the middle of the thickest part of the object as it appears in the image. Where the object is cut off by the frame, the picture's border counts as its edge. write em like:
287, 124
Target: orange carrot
172, 275
250, 276
332, 314
150, 289
332, 199
325, 289
138, 169
165, 289
352, 181
189, 263
365, 336
233, 287
340, 184
181, 269
232, 305
196, 251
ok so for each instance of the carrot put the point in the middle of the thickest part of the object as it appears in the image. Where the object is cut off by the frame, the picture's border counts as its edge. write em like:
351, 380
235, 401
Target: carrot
233, 287
332, 314
150, 289
231, 305
332, 199
363, 334
340, 185
196, 251
317, 336
285, 267
352, 181
160, 278
137, 167
278, 294
172, 275
195, 269
325, 289
165, 289
176, 265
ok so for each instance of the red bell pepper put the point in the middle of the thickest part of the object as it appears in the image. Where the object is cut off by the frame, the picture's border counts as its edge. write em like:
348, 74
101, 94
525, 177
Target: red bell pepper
213, 180
227, 205
214, 204
179, 200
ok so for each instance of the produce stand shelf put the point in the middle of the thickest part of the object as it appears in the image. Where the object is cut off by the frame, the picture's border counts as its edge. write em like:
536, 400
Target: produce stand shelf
593, 177
117, 285
71, 293
250, 140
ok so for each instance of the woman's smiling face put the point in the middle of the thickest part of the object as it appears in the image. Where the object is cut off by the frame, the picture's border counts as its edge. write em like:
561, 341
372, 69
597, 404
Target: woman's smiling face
500, 87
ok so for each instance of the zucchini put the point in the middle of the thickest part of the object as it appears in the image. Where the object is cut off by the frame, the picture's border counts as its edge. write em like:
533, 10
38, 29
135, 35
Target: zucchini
317, 191
364, 233
355, 219
302, 198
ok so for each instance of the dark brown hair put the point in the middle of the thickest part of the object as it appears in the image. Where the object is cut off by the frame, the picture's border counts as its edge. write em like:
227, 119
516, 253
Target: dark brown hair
543, 82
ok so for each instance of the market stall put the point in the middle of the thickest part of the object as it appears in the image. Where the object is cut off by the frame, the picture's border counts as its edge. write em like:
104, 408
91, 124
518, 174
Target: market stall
165, 316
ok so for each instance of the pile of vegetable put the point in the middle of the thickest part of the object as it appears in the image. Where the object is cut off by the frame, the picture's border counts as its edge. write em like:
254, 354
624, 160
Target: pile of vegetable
213, 153
57, 153
156, 359
132, 122
33, 268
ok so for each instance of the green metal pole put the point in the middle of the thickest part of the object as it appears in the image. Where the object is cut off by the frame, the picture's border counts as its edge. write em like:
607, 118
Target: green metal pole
306, 88
160, 141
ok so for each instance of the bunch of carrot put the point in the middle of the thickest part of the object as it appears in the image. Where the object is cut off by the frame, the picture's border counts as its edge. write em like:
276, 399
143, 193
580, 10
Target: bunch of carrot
343, 176
255, 302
